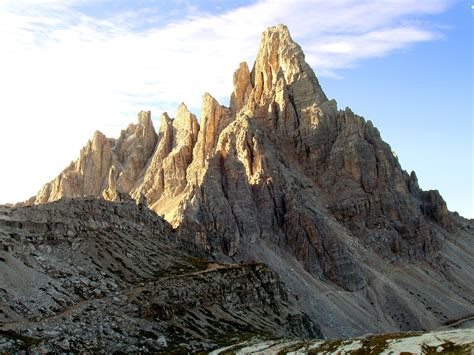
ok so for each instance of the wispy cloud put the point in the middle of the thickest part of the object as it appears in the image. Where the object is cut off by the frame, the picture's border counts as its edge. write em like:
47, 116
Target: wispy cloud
66, 72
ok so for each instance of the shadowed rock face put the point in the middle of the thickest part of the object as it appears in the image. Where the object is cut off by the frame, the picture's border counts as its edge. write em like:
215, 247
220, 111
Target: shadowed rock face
284, 177
83, 274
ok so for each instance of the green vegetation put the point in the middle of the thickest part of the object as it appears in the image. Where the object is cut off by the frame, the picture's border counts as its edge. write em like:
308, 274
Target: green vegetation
328, 347
448, 348
300, 345
237, 337
371, 345
377, 343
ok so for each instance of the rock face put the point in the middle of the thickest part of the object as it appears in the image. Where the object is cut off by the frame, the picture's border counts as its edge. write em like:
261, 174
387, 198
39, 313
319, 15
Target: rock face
165, 177
284, 177
105, 166
83, 274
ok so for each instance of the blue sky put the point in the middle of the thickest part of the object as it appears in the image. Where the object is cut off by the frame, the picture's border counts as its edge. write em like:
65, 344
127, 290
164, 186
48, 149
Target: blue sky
69, 67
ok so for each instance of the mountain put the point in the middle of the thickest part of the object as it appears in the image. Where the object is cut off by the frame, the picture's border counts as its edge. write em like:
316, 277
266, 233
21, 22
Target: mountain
283, 177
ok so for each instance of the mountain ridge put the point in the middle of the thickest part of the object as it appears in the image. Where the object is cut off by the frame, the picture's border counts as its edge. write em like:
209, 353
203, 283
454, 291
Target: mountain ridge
284, 177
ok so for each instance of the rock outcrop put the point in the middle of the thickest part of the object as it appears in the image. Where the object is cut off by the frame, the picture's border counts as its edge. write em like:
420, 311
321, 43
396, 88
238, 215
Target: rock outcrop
165, 177
105, 166
86, 274
285, 177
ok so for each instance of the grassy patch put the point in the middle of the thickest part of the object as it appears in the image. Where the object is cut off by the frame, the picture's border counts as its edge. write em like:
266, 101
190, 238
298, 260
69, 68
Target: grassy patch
236, 337
330, 346
374, 344
448, 348
378, 343
297, 346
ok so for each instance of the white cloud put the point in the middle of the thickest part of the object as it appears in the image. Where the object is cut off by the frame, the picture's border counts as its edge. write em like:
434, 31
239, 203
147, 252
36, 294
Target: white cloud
65, 74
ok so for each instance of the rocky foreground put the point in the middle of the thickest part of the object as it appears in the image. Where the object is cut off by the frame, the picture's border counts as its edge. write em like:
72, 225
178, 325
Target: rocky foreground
93, 275
454, 341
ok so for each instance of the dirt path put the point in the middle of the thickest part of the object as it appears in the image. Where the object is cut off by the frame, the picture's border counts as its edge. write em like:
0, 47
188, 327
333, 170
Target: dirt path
457, 322
66, 312
126, 292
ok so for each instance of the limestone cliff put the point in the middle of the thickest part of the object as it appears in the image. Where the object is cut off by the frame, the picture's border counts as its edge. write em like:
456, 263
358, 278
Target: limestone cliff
105, 166
285, 177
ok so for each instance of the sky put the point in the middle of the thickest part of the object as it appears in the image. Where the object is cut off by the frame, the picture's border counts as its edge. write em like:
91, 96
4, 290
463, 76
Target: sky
70, 67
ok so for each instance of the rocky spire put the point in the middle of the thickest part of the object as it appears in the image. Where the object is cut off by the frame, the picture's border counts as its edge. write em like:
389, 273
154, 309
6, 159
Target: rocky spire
165, 175
281, 62
242, 88
133, 149
214, 118
105, 166
186, 127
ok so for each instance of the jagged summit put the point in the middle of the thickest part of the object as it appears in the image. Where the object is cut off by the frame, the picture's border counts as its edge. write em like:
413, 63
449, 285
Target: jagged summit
280, 77
281, 61
284, 177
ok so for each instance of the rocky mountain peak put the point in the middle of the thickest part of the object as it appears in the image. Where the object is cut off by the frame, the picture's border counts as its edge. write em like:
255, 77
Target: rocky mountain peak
144, 118
182, 114
279, 55
281, 176
186, 126
166, 128
242, 87
214, 117
98, 139
280, 63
